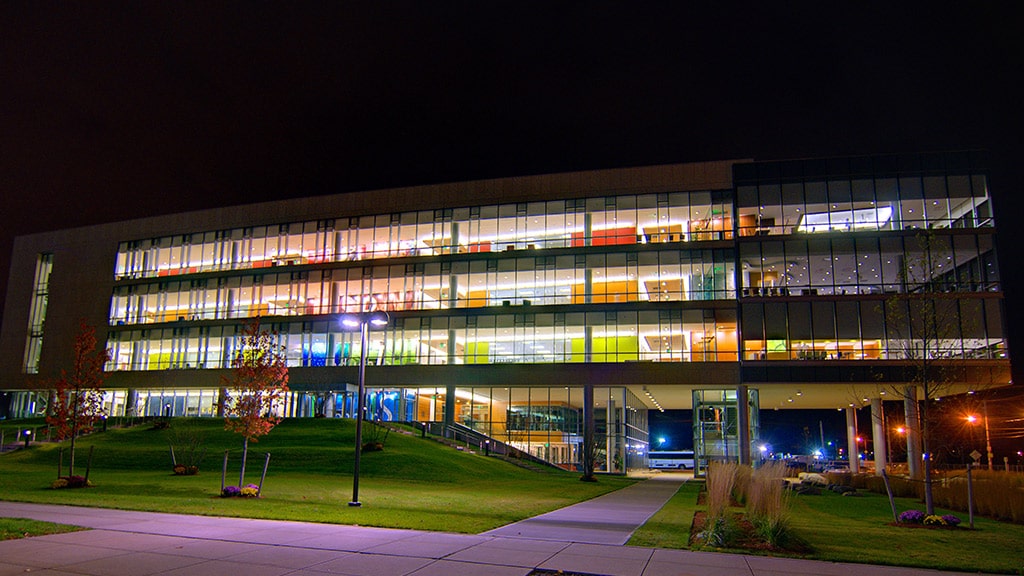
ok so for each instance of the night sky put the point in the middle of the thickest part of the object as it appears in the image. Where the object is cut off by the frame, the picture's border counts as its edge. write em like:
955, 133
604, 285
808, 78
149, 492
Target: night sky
111, 111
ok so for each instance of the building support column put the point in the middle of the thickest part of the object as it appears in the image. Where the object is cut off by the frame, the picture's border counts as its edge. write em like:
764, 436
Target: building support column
913, 417
588, 286
449, 405
589, 445
851, 440
131, 403
743, 423
611, 427
453, 291
879, 439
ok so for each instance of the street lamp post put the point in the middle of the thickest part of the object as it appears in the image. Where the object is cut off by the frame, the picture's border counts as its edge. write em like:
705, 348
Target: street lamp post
988, 439
971, 418
363, 322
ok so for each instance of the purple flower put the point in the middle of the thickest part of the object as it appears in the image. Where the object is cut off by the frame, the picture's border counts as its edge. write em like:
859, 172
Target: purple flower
951, 520
911, 517
231, 491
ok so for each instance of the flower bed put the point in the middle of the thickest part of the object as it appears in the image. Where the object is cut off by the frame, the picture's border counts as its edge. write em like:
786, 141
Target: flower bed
71, 482
918, 518
182, 470
247, 491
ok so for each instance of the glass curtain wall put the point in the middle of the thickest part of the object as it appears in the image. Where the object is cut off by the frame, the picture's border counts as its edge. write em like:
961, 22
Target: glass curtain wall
698, 335
861, 204
645, 276
616, 220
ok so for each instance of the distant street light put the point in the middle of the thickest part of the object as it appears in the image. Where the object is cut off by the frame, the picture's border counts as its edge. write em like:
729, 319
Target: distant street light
362, 322
972, 419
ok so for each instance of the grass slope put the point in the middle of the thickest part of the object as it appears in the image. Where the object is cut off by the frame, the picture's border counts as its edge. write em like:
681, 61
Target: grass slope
414, 483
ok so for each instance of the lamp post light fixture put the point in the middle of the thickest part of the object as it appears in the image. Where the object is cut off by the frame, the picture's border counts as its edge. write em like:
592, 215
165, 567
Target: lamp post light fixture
363, 322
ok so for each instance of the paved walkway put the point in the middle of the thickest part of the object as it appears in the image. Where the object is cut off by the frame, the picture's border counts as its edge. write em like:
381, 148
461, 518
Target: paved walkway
608, 519
126, 543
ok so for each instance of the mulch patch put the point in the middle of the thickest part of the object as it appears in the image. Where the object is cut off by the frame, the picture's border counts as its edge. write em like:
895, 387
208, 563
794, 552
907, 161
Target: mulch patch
702, 500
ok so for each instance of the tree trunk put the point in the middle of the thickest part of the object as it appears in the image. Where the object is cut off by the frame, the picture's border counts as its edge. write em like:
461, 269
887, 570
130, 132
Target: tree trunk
71, 464
929, 503
74, 435
245, 452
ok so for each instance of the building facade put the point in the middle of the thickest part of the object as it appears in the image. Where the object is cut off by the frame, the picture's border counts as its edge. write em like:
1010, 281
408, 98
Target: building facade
724, 287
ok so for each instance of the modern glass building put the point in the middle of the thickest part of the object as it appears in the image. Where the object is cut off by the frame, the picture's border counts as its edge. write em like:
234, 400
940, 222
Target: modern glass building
513, 300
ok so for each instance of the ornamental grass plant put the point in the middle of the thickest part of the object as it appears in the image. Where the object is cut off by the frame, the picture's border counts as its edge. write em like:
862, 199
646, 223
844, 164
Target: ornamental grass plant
768, 504
721, 479
718, 527
998, 495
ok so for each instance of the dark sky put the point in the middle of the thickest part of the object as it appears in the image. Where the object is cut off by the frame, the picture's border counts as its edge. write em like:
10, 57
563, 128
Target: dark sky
111, 111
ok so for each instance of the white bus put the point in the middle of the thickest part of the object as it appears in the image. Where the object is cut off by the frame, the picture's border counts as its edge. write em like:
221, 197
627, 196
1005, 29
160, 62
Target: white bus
673, 460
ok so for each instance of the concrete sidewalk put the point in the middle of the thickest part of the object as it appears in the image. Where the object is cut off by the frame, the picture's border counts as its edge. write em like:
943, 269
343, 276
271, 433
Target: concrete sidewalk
125, 543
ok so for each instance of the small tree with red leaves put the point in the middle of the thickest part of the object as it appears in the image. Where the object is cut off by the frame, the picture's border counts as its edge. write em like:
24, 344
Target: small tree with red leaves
77, 401
256, 387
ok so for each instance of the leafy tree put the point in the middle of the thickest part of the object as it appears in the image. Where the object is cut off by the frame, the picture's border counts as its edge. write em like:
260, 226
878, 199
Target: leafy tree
256, 387
77, 401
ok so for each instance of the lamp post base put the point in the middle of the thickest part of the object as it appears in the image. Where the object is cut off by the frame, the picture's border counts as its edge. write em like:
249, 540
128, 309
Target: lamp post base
355, 504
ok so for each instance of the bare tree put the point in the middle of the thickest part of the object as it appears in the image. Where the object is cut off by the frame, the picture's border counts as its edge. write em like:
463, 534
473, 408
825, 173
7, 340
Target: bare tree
924, 324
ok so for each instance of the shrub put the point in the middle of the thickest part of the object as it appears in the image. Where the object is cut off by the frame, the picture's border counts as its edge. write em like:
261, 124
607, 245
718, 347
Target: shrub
59, 483
911, 517
230, 491
718, 532
843, 478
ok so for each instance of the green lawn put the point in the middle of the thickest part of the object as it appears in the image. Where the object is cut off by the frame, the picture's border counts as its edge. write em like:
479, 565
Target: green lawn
857, 529
12, 528
413, 483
